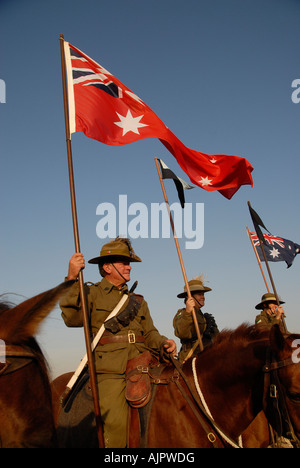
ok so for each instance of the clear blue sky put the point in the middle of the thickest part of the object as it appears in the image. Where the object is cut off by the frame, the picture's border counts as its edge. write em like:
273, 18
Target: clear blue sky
219, 74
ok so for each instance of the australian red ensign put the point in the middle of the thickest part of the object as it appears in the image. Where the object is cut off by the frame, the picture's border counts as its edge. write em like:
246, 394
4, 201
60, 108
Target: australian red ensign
104, 109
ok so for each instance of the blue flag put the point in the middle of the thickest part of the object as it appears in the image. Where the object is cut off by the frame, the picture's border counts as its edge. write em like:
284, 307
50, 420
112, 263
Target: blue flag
276, 248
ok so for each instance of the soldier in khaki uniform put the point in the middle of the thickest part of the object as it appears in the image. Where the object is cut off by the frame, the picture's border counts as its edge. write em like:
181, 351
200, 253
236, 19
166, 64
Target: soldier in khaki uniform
183, 322
122, 340
271, 313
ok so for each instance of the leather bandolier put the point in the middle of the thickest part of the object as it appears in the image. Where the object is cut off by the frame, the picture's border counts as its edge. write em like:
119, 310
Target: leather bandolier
123, 319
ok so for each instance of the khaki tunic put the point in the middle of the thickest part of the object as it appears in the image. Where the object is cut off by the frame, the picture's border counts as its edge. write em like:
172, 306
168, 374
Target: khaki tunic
265, 320
111, 359
184, 329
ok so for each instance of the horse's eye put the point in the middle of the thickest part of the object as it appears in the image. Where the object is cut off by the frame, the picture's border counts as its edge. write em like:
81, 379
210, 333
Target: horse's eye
294, 397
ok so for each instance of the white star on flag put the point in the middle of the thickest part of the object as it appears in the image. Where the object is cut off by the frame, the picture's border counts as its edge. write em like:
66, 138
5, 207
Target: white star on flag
205, 181
130, 123
274, 253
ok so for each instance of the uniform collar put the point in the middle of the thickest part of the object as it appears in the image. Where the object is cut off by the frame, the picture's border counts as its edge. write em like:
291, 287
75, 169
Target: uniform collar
107, 286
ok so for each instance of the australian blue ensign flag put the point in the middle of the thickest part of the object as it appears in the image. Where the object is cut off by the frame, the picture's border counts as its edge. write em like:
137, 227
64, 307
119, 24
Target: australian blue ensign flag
276, 248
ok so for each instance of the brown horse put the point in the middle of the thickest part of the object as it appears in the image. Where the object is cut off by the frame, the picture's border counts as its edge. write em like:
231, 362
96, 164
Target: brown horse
25, 394
211, 400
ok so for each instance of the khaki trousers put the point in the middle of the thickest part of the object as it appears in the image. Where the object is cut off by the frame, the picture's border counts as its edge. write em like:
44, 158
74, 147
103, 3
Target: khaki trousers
114, 409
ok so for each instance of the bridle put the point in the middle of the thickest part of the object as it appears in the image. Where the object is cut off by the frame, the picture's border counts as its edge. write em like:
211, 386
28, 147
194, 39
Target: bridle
274, 400
16, 357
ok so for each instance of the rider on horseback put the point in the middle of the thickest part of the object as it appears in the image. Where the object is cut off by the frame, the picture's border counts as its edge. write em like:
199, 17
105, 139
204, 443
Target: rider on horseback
123, 339
271, 314
183, 321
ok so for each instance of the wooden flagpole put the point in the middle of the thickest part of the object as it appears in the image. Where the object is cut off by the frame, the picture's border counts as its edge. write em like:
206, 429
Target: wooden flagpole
258, 260
179, 254
271, 277
77, 249
268, 289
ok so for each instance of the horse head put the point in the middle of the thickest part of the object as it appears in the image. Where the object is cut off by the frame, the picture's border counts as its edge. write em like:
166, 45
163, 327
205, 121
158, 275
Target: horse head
19, 323
25, 394
248, 370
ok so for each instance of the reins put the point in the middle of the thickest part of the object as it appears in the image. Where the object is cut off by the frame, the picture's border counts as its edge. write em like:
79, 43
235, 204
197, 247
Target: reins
221, 433
201, 411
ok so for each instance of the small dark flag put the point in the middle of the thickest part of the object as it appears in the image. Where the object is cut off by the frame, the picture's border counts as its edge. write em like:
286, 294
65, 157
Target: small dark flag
181, 185
257, 223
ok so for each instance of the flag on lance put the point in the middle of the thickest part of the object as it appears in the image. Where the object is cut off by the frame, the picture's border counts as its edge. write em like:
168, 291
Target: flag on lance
106, 110
180, 184
277, 249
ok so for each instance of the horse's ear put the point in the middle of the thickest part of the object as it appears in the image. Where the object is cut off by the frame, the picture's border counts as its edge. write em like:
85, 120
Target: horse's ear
23, 321
277, 341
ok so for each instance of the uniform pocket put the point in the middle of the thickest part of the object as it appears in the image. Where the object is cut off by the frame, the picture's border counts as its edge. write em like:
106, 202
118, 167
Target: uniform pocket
111, 358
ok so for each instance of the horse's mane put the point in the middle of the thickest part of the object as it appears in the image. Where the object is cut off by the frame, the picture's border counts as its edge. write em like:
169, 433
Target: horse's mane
226, 350
245, 333
4, 305
228, 343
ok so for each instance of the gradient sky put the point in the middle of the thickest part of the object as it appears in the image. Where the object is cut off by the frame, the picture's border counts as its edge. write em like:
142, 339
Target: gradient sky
219, 73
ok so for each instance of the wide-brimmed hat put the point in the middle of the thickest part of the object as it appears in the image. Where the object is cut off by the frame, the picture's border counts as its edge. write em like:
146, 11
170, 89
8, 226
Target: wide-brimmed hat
266, 298
195, 285
117, 250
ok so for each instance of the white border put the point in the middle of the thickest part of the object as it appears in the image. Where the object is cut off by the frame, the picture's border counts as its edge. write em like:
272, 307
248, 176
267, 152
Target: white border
70, 86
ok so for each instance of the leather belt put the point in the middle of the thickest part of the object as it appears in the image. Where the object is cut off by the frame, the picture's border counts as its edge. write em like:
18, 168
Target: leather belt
131, 337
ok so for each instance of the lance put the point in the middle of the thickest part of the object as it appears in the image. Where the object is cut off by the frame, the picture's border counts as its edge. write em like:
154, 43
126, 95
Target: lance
179, 254
90, 360
258, 260
268, 289
270, 276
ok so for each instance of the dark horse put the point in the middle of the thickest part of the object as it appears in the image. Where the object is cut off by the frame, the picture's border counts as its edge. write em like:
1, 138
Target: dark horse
211, 400
25, 395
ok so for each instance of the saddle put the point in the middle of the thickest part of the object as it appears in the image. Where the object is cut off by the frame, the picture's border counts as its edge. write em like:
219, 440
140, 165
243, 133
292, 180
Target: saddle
144, 373
138, 385
76, 426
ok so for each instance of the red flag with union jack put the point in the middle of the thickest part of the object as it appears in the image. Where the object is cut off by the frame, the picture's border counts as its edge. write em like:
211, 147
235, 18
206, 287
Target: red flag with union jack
104, 109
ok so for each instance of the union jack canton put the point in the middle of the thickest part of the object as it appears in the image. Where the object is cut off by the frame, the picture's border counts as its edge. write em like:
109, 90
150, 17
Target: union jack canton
276, 248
